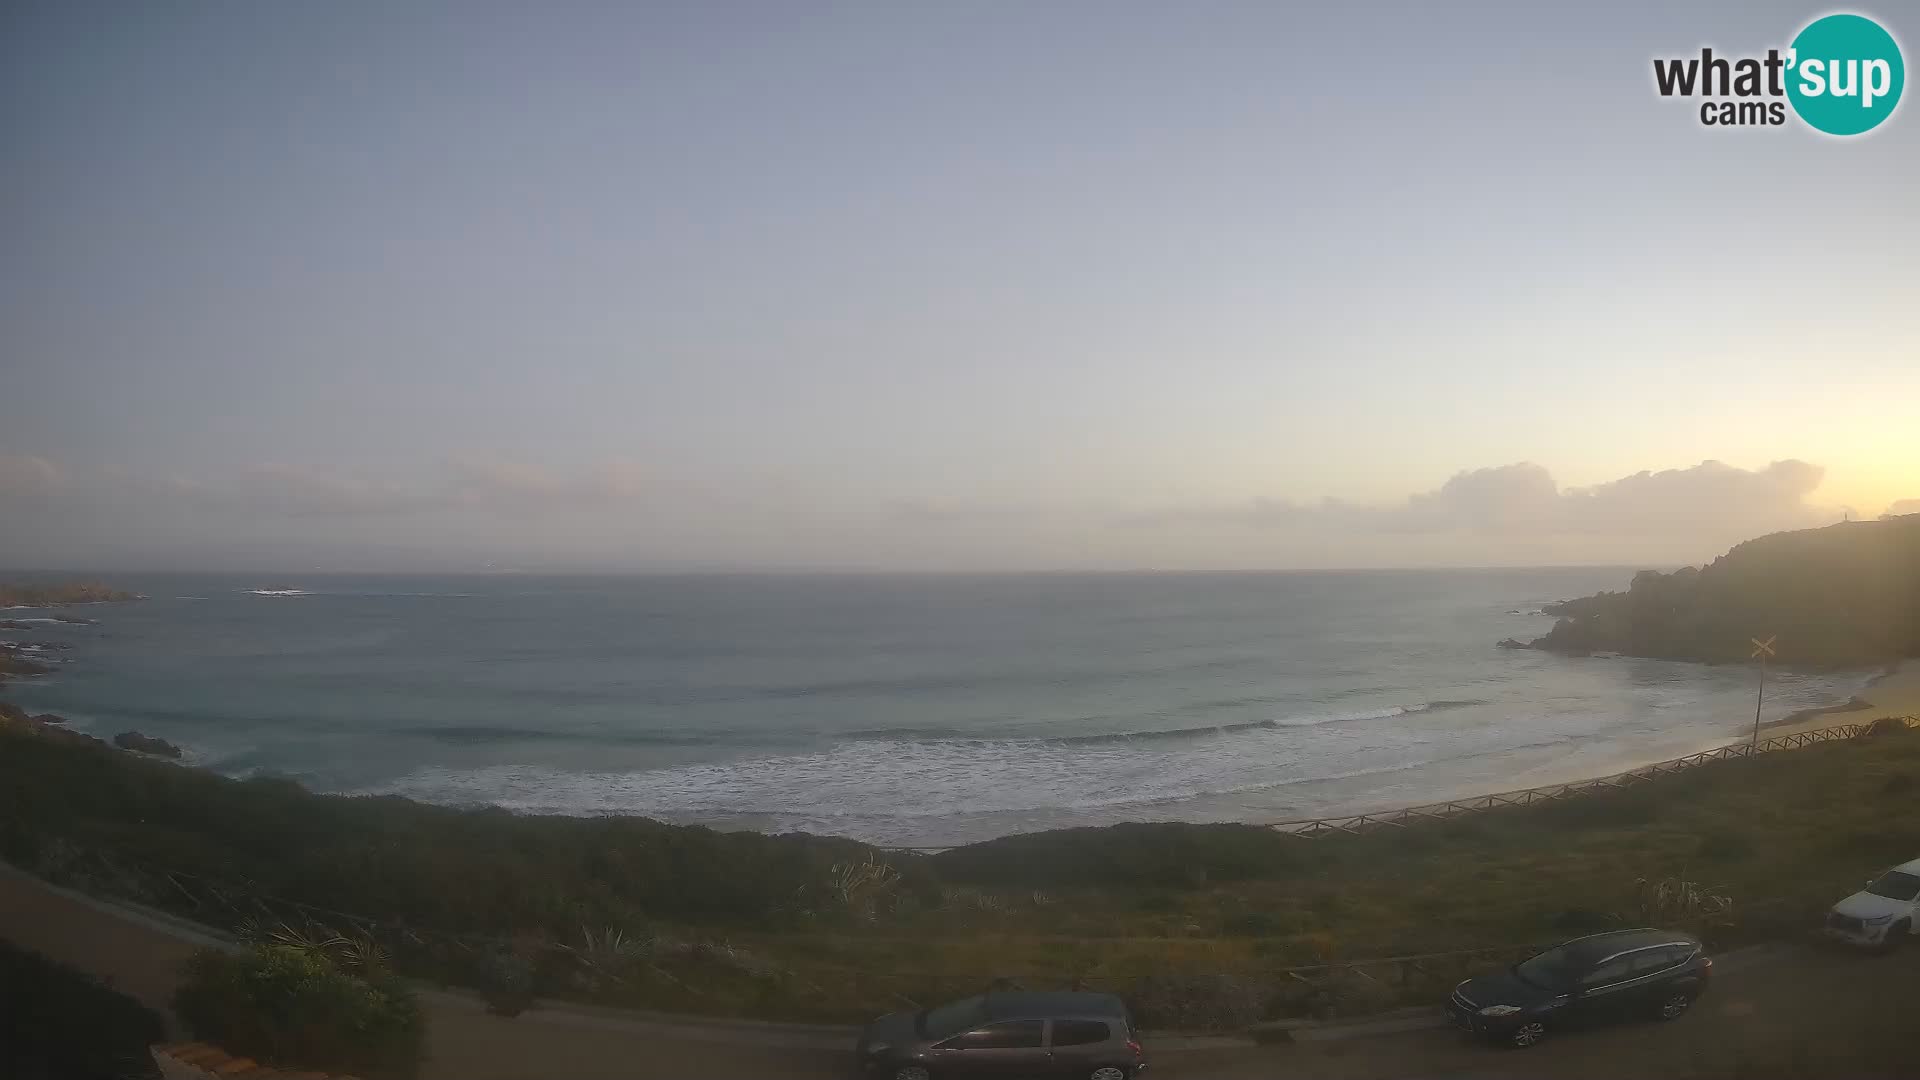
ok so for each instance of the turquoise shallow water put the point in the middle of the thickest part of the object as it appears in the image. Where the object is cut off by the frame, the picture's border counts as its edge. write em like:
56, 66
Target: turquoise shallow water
895, 708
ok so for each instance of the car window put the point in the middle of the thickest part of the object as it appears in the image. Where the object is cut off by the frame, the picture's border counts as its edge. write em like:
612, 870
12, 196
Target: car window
1896, 885
1549, 970
1079, 1032
1610, 972
1652, 960
953, 1016
1009, 1035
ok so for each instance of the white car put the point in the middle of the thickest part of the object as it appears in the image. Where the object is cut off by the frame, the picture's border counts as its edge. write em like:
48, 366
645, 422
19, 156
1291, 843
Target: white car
1883, 914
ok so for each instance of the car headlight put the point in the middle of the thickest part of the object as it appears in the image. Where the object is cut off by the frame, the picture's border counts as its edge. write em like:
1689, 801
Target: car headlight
1881, 921
878, 1048
1500, 1010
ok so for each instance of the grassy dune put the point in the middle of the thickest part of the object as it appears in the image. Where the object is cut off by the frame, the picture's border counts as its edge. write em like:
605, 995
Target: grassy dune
1193, 922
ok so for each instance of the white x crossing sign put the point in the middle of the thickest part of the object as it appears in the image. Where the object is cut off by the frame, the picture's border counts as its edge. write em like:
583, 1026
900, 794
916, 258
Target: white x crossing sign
1763, 649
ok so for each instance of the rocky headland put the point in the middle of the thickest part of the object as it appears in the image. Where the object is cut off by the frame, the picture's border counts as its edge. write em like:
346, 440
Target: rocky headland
1847, 595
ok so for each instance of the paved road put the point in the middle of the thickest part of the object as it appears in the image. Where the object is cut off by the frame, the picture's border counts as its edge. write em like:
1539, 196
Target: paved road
1767, 1007
1764, 1006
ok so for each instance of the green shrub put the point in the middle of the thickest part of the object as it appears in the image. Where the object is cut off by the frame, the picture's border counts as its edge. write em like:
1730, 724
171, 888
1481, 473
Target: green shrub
291, 1007
1890, 726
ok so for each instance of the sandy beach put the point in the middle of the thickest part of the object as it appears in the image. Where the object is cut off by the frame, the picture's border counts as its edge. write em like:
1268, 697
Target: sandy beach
1896, 693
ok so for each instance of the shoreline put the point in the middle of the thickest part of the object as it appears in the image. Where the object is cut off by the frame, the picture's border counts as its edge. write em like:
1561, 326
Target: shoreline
1893, 692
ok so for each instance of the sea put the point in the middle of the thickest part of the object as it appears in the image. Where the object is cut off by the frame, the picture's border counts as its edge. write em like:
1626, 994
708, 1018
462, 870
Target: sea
904, 710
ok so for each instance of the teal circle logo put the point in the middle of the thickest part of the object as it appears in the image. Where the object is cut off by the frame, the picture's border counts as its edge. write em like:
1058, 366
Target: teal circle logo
1845, 74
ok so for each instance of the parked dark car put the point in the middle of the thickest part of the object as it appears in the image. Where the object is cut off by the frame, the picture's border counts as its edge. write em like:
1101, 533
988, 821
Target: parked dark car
1016, 1034
1625, 973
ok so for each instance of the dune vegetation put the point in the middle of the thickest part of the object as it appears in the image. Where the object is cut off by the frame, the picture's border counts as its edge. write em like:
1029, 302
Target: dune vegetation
1195, 923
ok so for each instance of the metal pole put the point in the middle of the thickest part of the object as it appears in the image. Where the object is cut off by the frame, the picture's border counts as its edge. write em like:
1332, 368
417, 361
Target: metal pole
1758, 695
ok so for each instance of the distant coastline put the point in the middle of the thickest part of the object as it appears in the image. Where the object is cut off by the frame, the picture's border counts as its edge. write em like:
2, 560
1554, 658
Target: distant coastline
63, 595
27, 657
1254, 755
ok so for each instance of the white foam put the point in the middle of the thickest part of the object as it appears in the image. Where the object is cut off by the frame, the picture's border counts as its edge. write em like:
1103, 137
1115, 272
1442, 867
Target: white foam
1315, 720
903, 792
893, 791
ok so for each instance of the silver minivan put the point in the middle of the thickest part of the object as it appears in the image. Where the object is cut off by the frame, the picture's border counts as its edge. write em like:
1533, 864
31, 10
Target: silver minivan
1067, 1036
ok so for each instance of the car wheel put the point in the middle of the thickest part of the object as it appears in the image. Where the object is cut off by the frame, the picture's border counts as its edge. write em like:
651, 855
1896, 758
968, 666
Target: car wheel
912, 1072
1675, 1005
1109, 1072
1527, 1034
1897, 935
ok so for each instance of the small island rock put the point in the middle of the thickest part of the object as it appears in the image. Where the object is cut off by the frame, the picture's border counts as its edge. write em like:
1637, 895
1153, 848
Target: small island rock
145, 744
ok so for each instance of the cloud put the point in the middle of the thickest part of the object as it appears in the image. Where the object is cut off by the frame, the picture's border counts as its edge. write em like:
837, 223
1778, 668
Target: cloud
483, 481
25, 475
1523, 499
1903, 508
1710, 493
302, 490
1522, 495
614, 514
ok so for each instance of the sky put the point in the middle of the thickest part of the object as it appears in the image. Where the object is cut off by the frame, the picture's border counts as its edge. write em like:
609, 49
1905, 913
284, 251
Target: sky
982, 286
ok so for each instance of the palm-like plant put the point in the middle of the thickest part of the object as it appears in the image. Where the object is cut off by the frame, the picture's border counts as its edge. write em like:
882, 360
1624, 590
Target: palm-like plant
1679, 901
860, 885
612, 954
310, 937
350, 952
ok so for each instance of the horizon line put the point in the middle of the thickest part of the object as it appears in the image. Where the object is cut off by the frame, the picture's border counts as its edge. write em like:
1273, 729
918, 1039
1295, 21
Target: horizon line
96, 572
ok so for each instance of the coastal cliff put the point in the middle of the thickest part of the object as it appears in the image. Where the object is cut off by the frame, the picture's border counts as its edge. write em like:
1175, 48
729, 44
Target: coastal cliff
1843, 596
